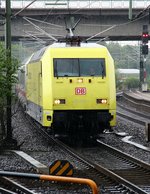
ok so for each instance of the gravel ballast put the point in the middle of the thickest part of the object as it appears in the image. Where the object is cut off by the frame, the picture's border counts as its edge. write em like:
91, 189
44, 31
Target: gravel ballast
32, 143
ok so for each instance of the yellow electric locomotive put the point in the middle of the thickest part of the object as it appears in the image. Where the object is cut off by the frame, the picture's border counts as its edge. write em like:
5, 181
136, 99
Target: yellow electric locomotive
71, 89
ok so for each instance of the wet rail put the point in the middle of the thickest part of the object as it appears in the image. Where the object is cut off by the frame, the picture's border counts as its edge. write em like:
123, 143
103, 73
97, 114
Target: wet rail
8, 185
126, 166
137, 100
130, 104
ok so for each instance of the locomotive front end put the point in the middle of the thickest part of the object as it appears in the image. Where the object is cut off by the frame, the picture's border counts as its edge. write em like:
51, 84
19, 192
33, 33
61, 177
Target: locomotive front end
83, 90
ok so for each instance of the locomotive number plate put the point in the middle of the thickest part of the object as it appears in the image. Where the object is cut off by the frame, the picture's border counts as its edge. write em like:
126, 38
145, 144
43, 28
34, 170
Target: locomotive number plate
80, 91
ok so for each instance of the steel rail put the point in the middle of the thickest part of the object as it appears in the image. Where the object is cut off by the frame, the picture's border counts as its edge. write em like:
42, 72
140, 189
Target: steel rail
102, 170
97, 167
15, 185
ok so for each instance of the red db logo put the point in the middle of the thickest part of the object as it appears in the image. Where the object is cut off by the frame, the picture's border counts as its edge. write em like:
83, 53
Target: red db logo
80, 91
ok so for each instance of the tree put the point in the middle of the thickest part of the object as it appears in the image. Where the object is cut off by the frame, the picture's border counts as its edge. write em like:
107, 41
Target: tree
6, 82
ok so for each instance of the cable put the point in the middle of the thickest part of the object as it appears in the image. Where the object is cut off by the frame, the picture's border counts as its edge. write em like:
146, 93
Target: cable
58, 26
137, 17
141, 12
101, 32
35, 19
103, 39
43, 22
50, 11
36, 38
83, 7
39, 29
24, 8
114, 26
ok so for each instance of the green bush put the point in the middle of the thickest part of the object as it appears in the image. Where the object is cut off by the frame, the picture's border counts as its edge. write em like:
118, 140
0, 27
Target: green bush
132, 83
8, 69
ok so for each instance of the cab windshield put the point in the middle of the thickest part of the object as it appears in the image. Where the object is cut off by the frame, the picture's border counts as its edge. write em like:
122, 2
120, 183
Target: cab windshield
79, 67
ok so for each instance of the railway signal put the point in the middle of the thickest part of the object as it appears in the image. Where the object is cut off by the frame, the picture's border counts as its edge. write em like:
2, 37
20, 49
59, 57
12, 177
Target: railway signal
145, 49
143, 53
145, 38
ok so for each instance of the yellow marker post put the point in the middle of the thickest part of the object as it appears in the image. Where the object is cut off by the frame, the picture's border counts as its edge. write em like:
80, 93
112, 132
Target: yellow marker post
61, 168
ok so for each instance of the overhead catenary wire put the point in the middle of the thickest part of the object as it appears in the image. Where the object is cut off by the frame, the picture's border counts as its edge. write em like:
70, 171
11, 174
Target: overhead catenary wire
21, 10
38, 34
24, 8
48, 23
83, 7
32, 23
101, 32
110, 28
35, 37
137, 17
103, 39
50, 11
39, 29
114, 26
141, 12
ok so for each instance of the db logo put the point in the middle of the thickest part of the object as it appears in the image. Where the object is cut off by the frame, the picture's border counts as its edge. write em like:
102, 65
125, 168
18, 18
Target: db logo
80, 91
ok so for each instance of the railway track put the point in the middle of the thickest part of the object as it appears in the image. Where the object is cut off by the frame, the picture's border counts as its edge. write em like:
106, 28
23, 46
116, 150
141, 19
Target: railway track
12, 186
132, 115
135, 104
110, 180
132, 112
125, 166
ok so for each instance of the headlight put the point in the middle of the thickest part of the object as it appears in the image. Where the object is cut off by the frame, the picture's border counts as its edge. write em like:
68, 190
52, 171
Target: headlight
49, 118
101, 101
80, 80
59, 101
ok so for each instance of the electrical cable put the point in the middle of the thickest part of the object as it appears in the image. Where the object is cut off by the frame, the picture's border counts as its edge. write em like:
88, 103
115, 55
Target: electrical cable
35, 38
137, 17
141, 12
42, 22
48, 14
39, 29
114, 26
23, 8
58, 26
83, 7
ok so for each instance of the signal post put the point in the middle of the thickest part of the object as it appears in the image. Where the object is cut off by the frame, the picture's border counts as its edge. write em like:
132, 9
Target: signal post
143, 54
